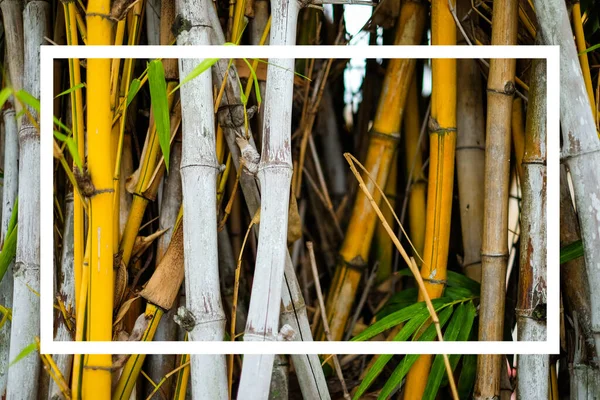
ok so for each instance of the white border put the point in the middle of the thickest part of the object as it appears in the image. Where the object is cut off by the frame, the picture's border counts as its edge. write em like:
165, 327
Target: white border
49, 346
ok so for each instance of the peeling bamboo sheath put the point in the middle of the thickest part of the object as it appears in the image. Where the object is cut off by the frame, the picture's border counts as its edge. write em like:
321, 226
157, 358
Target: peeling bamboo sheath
97, 382
494, 250
382, 145
442, 143
532, 379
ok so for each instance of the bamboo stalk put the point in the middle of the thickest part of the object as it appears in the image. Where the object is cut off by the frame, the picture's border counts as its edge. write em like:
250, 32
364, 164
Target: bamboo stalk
442, 143
583, 58
470, 163
97, 381
494, 248
382, 145
274, 175
12, 12
293, 313
532, 379
23, 376
581, 149
199, 169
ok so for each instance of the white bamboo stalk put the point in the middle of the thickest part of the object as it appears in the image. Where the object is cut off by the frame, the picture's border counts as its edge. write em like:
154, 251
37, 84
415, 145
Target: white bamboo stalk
23, 376
153, 21
66, 291
293, 313
581, 148
158, 365
13, 30
532, 379
199, 169
274, 174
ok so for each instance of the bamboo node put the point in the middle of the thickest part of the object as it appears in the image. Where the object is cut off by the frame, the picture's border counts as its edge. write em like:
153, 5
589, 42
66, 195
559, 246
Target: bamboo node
434, 127
392, 136
180, 25
185, 319
509, 89
286, 333
357, 263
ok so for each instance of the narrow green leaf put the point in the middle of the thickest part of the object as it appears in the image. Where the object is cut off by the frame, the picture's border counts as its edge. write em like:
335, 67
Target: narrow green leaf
438, 369
9, 250
255, 82
28, 99
200, 68
70, 90
13, 216
72, 146
467, 376
61, 125
398, 301
594, 47
24, 353
571, 251
4, 95
160, 106
407, 362
459, 280
133, 90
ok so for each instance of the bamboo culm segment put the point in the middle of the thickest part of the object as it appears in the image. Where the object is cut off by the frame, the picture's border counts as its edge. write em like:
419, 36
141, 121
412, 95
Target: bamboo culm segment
494, 249
581, 149
532, 379
382, 145
442, 143
23, 376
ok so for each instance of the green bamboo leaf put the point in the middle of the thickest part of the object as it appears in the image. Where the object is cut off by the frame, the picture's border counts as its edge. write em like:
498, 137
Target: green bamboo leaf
398, 301
255, 81
459, 293
72, 146
438, 368
12, 223
571, 251
467, 376
396, 318
160, 106
70, 90
459, 280
594, 47
407, 362
134, 88
200, 68
28, 99
9, 250
4, 95
24, 353
62, 126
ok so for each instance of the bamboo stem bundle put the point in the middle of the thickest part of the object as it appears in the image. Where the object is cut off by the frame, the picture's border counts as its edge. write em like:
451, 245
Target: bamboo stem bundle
274, 174
12, 12
96, 368
581, 149
23, 376
199, 169
382, 145
532, 379
494, 248
470, 163
442, 143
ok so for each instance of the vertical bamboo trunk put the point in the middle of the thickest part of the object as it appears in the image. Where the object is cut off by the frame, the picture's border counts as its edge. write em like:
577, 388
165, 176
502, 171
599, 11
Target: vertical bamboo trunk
23, 376
583, 58
66, 292
153, 21
494, 249
13, 32
199, 169
442, 143
274, 174
97, 382
382, 145
470, 162
581, 149
532, 379
308, 367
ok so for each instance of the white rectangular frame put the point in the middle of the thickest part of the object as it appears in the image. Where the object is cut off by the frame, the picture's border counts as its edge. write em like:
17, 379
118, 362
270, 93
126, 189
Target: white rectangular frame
49, 346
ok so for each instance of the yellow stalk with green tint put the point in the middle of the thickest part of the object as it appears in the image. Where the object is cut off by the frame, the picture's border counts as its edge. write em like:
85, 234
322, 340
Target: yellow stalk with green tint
583, 57
442, 144
96, 369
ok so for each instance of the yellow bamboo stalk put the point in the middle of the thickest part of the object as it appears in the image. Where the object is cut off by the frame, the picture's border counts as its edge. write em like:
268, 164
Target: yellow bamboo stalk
97, 381
583, 58
518, 134
382, 145
442, 144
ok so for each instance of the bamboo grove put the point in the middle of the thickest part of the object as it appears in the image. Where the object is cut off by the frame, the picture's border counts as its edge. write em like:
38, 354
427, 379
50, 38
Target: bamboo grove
212, 199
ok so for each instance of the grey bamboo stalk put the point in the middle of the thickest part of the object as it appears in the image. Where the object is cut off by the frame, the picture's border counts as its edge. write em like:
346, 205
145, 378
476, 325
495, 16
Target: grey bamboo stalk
308, 366
23, 376
533, 376
274, 174
66, 292
12, 12
158, 365
153, 21
581, 148
470, 162
199, 169
494, 247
